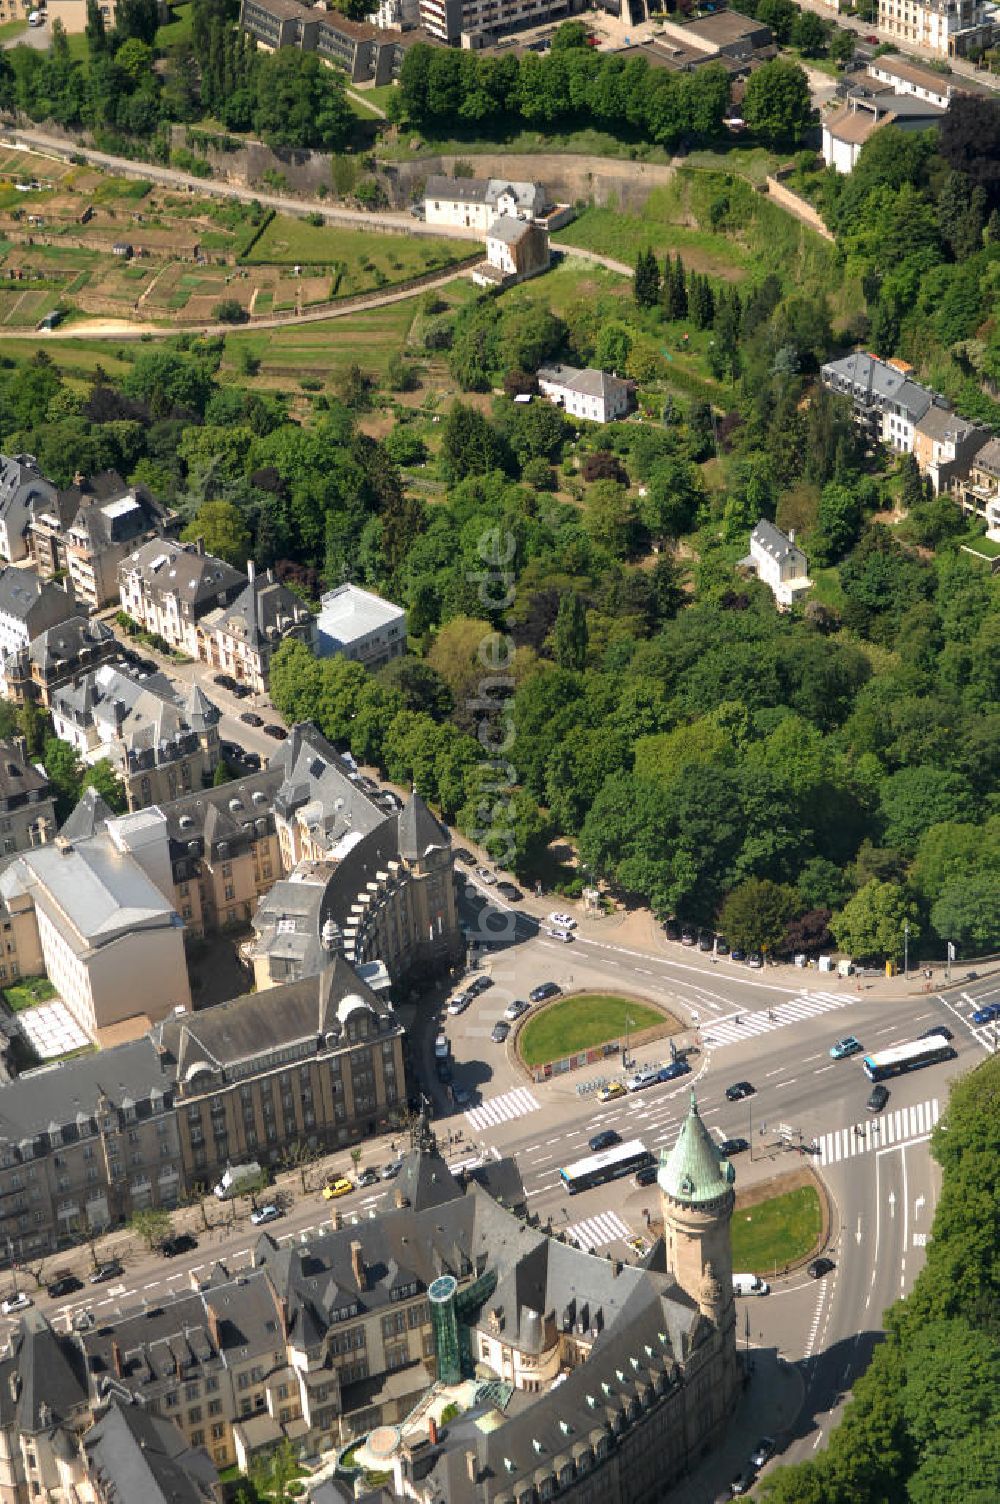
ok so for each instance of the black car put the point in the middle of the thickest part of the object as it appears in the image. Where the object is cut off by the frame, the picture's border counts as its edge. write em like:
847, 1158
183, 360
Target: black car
241, 691
763, 1451
251, 760
465, 857
940, 1029
706, 941
510, 892
251, 718
367, 1178
224, 681
743, 1483
461, 1096
731, 1146
66, 1284
737, 954
444, 1071
819, 1267
647, 1175
605, 1140
878, 1098
672, 929
110, 1269
500, 1031
739, 1090
278, 732
480, 984
181, 1242
543, 991
721, 946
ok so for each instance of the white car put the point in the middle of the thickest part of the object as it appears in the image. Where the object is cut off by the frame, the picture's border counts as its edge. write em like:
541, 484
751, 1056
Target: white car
263, 1214
642, 1079
564, 935
459, 1002
15, 1303
562, 921
485, 875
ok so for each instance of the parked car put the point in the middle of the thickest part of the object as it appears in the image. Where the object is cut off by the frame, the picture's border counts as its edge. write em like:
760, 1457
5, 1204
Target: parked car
562, 921
706, 942
241, 691
648, 1076
261, 1215
763, 1451
64, 1284
844, 1047
743, 1482
459, 1002
941, 1029
673, 1070
543, 991
510, 891
565, 936
461, 1096
877, 1099
515, 1009
479, 984
278, 732
465, 857
500, 1031
736, 954
366, 1179
444, 1072
224, 681
647, 1175
721, 945
339, 1187
19, 1301
731, 1146
739, 1090
755, 960
392, 1169
819, 1267
442, 1047
672, 929
688, 935
612, 1091
251, 718
178, 1242
486, 876
604, 1140
110, 1269
987, 1014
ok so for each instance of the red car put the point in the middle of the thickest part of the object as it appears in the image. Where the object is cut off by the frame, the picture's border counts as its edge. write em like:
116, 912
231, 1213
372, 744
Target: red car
873, 38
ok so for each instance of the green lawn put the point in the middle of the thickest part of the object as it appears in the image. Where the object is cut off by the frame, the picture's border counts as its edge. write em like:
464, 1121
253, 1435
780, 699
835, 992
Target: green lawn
589, 143
369, 259
579, 1023
178, 28
28, 992
11, 29
775, 1233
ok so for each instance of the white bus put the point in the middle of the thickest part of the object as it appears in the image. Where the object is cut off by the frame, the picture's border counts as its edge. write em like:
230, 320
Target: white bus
610, 1164
907, 1057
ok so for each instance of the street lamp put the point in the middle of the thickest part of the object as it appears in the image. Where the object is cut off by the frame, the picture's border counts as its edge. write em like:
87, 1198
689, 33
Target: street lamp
906, 950
625, 1057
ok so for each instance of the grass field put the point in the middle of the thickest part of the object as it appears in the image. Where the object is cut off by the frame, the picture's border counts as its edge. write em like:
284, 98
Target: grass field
28, 992
590, 143
579, 1023
368, 260
775, 1233
178, 28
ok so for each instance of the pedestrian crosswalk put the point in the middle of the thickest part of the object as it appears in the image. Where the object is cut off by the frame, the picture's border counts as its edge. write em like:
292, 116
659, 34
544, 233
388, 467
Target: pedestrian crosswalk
512, 1104
594, 1232
739, 1027
900, 1126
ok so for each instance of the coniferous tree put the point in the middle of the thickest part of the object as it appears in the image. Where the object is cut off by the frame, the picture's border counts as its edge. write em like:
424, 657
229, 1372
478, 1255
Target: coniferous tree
680, 290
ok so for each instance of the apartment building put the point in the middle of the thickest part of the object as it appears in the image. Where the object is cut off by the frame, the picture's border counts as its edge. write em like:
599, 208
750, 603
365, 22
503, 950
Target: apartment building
366, 53
169, 588
945, 28
479, 23
111, 942
242, 637
89, 528
161, 746
979, 492
56, 657
83, 1145
27, 804
945, 445
224, 851
887, 403
22, 487
360, 625
904, 76
28, 607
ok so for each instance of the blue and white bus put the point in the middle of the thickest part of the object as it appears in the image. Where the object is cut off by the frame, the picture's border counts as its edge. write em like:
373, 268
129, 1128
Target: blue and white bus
610, 1164
907, 1057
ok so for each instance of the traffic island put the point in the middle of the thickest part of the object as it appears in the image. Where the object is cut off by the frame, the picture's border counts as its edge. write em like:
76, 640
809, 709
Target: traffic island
781, 1223
578, 1029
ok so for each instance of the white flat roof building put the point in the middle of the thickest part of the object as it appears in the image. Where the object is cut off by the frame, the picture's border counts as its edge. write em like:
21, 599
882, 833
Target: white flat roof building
361, 626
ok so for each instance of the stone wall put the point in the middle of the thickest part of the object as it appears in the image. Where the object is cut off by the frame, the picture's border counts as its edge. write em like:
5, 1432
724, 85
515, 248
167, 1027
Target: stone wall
604, 181
800, 207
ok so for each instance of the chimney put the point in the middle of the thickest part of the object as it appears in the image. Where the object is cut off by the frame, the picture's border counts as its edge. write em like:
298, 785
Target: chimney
199, 546
358, 1265
116, 1359
251, 570
791, 535
616, 1268
472, 1467
432, 1431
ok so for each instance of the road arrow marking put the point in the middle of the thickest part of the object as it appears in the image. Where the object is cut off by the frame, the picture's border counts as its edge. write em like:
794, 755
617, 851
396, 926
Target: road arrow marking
858, 1233
917, 1205
892, 1203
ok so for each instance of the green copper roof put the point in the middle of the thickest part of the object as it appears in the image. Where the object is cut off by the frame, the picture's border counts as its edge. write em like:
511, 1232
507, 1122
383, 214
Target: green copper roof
694, 1170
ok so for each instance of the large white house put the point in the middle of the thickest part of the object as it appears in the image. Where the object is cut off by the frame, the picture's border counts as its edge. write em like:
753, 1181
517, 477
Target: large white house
587, 394
474, 203
777, 560
360, 625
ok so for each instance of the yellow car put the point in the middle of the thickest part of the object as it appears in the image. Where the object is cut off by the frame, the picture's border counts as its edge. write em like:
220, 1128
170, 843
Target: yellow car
337, 1188
612, 1092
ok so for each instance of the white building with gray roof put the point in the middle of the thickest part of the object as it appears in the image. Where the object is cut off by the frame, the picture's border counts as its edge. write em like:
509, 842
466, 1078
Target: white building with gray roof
22, 487
474, 203
776, 558
588, 393
360, 625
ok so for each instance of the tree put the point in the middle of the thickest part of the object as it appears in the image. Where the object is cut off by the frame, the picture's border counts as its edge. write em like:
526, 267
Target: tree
870, 925
646, 286
915, 798
230, 311
776, 105
470, 445
610, 518
299, 102
570, 632
756, 914
101, 776
224, 530
809, 34
152, 1225
842, 45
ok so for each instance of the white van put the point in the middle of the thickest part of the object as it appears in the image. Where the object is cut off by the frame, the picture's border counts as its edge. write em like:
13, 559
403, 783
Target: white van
35, 18
750, 1284
442, 1049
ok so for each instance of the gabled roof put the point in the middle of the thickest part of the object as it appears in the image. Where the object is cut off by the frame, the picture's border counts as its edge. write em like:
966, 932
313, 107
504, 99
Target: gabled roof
262, 610
21, 590
90, 815
139, 1458
51, 1374
773, 540
589, 382
169, 568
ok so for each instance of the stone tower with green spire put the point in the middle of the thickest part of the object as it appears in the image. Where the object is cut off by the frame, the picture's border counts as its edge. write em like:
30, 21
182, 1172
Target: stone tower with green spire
697, 1196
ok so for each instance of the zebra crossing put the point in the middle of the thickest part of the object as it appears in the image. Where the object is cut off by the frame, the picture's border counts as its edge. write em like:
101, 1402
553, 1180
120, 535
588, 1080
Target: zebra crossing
502, 1109
594, 1232
805, 1005
901, 1126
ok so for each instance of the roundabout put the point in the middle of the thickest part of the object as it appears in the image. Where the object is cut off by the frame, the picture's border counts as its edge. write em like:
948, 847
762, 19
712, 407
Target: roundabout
574, 1024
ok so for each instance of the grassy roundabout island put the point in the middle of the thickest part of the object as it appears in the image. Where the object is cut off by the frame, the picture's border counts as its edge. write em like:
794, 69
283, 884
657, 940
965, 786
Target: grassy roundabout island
583, 1021
769, 1235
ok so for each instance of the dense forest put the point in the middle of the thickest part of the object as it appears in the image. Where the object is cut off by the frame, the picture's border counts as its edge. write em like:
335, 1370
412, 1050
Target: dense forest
922, 1425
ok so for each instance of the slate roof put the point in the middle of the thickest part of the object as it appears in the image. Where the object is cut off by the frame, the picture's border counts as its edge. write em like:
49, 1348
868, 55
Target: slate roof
18, 775
51, 1376
262, 609
21, 590
589, 382
66, 642
168, 568
774, 541
943, 424
694, 1170
135, 1456
22, 483
510, 230
419, 831
65, 1095
90, 815
988, 458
